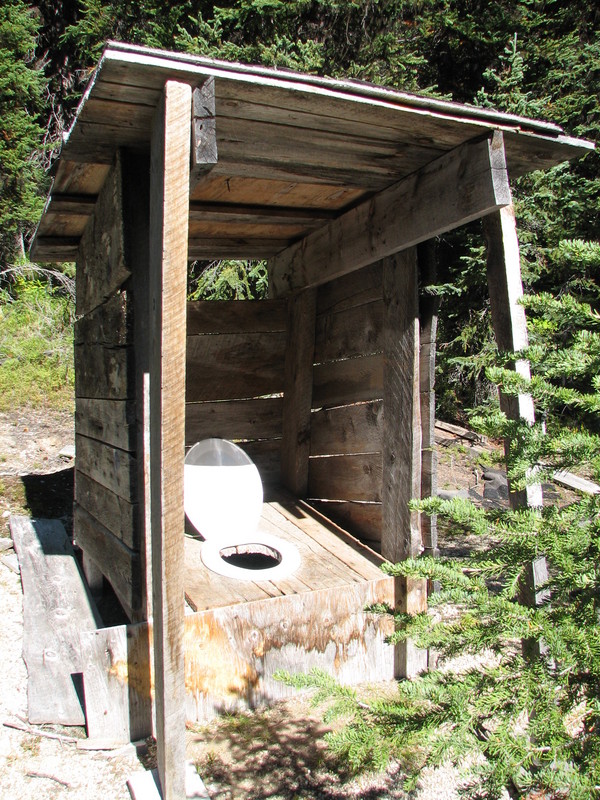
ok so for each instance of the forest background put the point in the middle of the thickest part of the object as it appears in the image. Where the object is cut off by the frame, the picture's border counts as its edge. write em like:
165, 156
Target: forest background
538, 58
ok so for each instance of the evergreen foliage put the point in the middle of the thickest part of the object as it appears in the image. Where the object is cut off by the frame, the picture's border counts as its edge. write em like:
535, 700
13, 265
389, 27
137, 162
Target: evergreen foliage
509, 720
21, 85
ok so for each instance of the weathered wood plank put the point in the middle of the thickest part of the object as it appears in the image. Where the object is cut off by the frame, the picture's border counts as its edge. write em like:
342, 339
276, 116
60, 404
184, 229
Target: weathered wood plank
266, 454
108, 421
400, 535
234, 419
169, 198
136, 223
462, 185
411, 598
235, 316
119, 564
113, 468
355, 289
352, 477
118, 681
101, 267
347, 429
428, 311
103, 372
361, 519
221, 189
56, 609
356, 331
108, 324
204, 130
118, 515
239, 248
354, 380
234, 366
336, 541
280, 233
297, 393
510, 325
232, 653
106, 693
257, 214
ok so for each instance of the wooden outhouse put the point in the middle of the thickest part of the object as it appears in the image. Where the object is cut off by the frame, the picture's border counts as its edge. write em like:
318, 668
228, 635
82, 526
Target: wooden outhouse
328, 384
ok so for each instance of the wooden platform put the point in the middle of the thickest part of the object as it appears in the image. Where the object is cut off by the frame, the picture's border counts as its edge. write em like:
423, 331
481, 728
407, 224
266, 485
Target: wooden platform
330, 559
240, 633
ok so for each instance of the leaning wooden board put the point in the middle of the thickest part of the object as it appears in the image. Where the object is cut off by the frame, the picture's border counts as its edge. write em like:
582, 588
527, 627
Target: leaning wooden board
56, 609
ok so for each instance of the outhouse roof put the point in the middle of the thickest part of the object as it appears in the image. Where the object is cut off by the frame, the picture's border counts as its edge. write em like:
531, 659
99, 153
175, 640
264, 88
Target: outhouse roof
294, 151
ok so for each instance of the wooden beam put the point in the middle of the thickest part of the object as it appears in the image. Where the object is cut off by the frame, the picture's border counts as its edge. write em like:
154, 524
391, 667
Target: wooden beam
400, 529
463, 185
233, 212
509, 323
510, 329
428, 311
400, 536
204, 131
297, 392
169, 193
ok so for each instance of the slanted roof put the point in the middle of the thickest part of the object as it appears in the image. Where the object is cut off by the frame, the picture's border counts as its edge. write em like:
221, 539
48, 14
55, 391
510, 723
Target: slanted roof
294, 151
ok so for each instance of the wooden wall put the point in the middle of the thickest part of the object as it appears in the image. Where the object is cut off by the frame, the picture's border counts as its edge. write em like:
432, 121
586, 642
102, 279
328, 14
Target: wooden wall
234, 377
345, 466
106, 508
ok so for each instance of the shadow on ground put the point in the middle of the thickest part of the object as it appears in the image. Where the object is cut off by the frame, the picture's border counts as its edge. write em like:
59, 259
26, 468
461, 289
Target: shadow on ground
271, 755
50, 496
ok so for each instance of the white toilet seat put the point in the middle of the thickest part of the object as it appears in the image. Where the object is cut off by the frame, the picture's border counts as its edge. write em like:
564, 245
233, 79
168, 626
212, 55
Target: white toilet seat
223, 501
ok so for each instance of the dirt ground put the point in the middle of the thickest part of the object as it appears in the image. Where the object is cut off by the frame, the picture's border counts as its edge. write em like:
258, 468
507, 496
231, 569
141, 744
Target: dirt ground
277, 754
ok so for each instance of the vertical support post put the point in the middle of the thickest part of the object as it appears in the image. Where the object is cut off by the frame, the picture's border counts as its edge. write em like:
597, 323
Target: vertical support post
428, 318
169, 202
510, 330
509, 323
297, 392
400, 533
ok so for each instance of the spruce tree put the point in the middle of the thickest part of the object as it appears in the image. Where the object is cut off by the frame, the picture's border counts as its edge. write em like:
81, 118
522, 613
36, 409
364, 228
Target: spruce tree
21, 136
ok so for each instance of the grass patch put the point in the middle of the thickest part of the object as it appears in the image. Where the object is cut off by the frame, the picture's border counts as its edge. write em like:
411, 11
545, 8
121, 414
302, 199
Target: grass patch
36, 350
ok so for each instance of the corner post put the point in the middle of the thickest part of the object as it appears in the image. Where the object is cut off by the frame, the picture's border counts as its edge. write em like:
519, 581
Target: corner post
400, 533
510, 329
297, 394
169, 202
509, 323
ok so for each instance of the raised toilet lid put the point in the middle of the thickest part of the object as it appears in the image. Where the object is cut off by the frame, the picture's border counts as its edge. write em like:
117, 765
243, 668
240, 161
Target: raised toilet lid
223, 493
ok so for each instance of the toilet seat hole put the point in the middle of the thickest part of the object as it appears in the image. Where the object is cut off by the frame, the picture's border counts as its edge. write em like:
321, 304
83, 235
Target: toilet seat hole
251, 555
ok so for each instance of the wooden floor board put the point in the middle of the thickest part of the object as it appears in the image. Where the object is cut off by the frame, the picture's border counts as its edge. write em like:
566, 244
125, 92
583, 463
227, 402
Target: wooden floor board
330, 559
